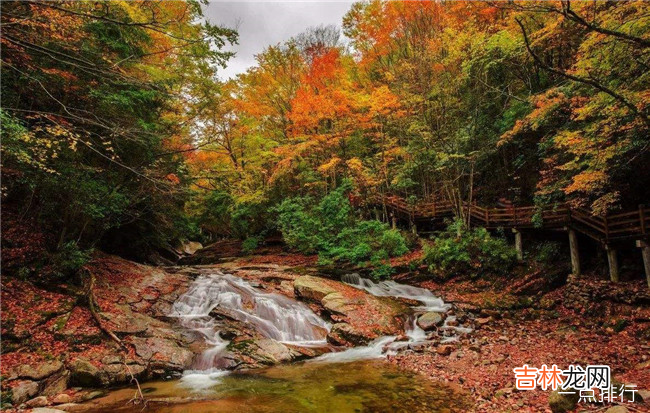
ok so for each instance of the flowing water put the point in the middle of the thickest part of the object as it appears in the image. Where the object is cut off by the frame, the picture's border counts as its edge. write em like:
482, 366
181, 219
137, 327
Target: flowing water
347, 381
273, 315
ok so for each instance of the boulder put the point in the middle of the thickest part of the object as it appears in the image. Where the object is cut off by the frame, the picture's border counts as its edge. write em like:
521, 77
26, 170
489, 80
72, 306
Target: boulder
429, 320
270, 351
444, 349
24, 391
120, 373
124, 321
643, 396
164, 354
61, 398
337, 303
39, 401
39, 371
191, 247
364, 317
562, 403
312, 288
56, 383
84, 374
343, 334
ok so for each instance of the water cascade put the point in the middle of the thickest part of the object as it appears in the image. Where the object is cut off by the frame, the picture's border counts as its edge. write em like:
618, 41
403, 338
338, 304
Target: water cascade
272, 315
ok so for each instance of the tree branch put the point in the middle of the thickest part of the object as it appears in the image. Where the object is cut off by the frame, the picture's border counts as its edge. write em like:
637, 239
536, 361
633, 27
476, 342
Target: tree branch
586, 81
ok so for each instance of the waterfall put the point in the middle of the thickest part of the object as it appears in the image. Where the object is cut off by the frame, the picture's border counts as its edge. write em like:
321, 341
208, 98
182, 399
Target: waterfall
272, 315
393, 289
387, 345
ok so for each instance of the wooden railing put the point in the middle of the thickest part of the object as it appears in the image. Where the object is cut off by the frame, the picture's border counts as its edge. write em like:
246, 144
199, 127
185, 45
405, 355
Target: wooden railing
632, 224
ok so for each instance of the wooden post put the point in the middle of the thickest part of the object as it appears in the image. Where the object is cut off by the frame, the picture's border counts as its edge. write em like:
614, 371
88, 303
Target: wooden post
487, 217
393, 220
518, 244
612, 260
642, 218
575, 255
645, 252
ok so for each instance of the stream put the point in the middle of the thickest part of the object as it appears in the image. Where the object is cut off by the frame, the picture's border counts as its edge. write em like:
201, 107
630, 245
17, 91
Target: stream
352, 380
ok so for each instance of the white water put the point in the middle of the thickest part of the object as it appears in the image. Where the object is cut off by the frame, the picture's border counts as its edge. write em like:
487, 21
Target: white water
393, 289
273, 315
288, 321
383, 346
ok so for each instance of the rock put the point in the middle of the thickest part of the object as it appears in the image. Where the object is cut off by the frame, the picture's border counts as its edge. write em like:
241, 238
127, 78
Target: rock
124, 321
336, 303
643, 395
164, 354
617, 409
343, 334
24, 391
228, 334
430, 320
61, 398
56, 383
84, 374
444, 349
562, 403
191, 247
116, 373
39, 401
312, 288
367, 316
93, 395
483, 321
504, 391
40, 371
46, 410
272, 352
112, 359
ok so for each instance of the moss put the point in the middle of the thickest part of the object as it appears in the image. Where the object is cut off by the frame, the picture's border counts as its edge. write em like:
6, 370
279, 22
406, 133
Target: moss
6, 397
242, 346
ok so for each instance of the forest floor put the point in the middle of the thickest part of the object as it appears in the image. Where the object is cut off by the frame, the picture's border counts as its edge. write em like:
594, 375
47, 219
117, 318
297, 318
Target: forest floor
583, 322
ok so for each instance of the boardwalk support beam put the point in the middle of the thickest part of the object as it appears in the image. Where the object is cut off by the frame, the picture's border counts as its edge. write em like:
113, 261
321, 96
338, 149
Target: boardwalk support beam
575, 255
645, 252
612, 260
518, 244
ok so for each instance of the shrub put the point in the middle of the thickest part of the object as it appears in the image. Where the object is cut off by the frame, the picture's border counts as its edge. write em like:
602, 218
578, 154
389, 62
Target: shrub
330, 228
471, 251
548, 252
250, 244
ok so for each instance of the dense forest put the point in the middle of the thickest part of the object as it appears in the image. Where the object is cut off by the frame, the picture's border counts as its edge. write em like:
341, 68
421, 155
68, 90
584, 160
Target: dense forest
118, 134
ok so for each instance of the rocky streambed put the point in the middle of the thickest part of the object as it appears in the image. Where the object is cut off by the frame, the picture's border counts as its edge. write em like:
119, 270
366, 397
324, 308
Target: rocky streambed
198, 323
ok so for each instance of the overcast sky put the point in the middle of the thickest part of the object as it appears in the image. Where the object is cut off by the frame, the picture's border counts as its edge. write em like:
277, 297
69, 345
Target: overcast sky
264, 23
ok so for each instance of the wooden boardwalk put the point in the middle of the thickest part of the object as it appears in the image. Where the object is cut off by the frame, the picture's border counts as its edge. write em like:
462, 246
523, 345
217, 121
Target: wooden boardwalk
610, 230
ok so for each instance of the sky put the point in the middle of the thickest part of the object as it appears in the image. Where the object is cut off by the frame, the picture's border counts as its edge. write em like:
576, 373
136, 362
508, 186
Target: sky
264, 23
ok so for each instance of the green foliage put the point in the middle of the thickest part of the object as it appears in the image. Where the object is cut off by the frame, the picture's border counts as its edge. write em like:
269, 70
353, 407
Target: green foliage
68, 260
331, 229
250, 244
91, 154
548, 252
473, 251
